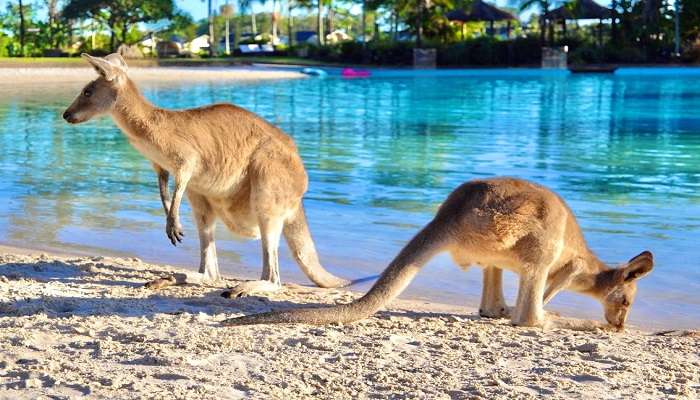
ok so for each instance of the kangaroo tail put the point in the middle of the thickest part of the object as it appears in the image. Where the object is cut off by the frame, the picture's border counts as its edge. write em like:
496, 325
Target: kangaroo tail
391, 283
296, 231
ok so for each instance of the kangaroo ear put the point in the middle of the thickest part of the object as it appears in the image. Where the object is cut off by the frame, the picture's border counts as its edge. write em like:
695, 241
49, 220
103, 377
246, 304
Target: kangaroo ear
118, 61
638, 266
102, 66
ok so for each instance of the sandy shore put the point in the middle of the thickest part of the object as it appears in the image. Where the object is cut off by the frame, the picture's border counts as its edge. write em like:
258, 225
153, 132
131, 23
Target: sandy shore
14, 76
85, 326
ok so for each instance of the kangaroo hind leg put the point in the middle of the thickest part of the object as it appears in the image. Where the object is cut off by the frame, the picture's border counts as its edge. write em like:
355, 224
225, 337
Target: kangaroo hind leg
493, 305
270, 231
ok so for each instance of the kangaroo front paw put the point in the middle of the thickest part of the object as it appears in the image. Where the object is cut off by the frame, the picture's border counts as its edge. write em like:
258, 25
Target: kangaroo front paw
174, 231
501, 311
251, 288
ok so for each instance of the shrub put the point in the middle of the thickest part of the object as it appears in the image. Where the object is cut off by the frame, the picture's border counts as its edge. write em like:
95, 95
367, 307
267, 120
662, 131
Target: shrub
586, 54
485, 51
591, 53
691, 53
391, 53
5, 43
481, 51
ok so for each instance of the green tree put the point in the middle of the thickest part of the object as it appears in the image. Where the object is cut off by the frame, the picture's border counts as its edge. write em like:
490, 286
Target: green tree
17, 18
247, 6
690, 20
543, 6
319, 22
56, 30
182, 25
119, 15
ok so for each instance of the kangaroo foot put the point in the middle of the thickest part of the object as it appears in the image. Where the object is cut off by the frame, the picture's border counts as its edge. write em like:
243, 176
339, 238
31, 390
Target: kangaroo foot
180, 278
576, 324
532, 319
161, 283
498, 311
251, 288
333, 282
529, 324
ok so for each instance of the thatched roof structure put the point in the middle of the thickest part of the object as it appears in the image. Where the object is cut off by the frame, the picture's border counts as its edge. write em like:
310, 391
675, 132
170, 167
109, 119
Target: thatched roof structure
480, 11
580, 9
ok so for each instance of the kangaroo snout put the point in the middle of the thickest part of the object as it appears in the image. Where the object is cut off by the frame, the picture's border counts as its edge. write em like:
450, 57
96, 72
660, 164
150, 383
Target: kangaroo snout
72, 117
69, 117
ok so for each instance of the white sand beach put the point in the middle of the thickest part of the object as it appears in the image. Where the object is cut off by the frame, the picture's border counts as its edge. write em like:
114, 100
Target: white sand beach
14, 76
85, 326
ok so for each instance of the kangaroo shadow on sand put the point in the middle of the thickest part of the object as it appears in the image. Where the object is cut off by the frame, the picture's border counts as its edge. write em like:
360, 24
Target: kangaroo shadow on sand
66, 301
74, 273
131, 299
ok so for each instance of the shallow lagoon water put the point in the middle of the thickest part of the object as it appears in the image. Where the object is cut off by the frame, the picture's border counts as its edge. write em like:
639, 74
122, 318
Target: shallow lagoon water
382, 153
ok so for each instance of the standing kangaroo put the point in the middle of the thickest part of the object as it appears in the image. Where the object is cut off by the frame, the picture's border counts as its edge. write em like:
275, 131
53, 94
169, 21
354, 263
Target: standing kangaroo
232, 164
497, 223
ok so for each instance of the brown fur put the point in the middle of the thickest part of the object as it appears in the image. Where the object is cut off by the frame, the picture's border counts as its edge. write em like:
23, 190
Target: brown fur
232, 164
500, 223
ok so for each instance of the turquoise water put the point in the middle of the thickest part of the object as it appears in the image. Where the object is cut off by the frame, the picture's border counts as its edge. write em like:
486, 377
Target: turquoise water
623, 150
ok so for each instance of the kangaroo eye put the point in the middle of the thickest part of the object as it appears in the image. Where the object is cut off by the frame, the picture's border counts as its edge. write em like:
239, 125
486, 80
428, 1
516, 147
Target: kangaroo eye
87, 93
625, 302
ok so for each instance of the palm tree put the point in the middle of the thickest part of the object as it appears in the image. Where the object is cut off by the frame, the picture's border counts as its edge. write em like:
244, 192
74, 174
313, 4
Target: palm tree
248, 5
613, 24
651, 15
274, 21
210, 17
290, 22
650, 12
544, 7
54, 14
21, 28
319, 22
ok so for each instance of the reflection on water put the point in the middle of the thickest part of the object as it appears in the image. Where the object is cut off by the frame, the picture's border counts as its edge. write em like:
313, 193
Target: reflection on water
381, 154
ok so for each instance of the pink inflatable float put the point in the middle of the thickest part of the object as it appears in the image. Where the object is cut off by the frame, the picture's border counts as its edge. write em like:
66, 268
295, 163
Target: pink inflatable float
355, 73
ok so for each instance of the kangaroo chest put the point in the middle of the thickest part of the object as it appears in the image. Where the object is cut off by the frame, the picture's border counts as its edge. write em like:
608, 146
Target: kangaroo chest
152, 153
147, 148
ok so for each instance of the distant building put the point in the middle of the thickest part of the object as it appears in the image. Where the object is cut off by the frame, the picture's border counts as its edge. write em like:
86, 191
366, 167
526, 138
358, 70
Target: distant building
148, 45
167, 48
198, 44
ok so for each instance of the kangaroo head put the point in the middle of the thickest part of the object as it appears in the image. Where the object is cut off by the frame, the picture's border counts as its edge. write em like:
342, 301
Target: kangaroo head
98, 97
622, 287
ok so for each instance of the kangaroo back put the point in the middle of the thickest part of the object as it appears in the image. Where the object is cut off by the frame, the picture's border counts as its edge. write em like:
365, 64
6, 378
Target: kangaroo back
391, 283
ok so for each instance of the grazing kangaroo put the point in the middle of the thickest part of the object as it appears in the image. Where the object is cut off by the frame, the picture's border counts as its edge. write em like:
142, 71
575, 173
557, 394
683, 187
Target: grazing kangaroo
496, 223
232, 164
